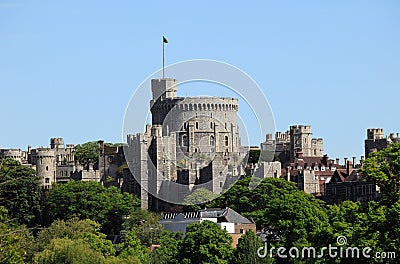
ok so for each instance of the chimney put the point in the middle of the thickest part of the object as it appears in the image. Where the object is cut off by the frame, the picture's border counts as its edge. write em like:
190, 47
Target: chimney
325, 160
354, 162
337, 161
345, 161
299, 154
362, 160
348, 164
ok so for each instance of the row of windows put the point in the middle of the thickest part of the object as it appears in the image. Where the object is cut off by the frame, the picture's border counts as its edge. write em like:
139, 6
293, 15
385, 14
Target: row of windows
185, 141
212, 125
316, 168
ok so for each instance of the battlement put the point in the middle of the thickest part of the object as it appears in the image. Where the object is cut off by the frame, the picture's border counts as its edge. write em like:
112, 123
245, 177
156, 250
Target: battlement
164, 88
375, 133
11, 153
198, 104
43, 153
300, 129
56, 143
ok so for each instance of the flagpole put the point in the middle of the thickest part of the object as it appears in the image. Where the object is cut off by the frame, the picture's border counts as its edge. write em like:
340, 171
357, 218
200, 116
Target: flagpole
163, 74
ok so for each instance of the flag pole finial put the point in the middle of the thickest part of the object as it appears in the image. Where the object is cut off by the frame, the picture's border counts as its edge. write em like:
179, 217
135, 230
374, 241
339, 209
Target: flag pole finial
164, 40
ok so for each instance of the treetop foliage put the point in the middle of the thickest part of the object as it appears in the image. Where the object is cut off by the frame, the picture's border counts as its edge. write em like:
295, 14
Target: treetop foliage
90, 200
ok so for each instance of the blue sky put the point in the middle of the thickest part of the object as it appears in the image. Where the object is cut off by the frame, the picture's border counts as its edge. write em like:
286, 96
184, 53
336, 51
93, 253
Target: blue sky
68, 68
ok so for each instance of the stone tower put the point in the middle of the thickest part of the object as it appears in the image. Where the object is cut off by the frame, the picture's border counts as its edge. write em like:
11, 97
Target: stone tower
191, 141
56, 143
375, 141
15, 154
45, 161
300, 137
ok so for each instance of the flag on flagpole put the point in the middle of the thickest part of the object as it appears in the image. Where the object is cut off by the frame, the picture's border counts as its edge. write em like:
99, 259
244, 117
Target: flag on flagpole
165, 40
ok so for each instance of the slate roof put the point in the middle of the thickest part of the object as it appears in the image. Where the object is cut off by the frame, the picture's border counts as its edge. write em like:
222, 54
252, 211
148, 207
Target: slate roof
222, 215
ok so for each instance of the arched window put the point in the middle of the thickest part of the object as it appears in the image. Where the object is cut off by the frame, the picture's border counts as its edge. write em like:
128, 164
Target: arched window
226, 141
47, 168
212, 140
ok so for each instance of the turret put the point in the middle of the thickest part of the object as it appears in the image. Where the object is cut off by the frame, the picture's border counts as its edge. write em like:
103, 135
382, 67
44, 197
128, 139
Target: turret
164, 88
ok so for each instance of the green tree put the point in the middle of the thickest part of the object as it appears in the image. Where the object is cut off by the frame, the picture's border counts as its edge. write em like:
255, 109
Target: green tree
253, 202
383, 168
15, 240
206, 242
146, 226
391, 240
131, 247
90, 200
20, 192
289, 217
68, 251
246, 250
295, 219
198, 199
363, 226
169, 250
87, 153
86, 230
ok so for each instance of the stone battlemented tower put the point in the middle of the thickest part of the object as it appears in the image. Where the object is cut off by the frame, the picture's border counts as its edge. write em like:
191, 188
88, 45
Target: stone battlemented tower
377, 141
191, 141
297, 138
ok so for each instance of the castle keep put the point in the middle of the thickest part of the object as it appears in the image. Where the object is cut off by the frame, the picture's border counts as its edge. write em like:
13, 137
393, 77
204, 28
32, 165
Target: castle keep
191, 141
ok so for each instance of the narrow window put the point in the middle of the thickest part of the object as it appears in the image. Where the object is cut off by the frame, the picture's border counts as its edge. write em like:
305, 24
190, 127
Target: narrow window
226, 141
185, 141
212, 140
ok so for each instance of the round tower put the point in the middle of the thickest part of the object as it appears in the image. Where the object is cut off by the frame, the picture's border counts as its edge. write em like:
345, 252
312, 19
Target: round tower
45, 166
15, 154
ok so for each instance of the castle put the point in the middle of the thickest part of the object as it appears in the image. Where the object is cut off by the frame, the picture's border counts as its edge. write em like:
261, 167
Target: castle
191, 141
297, 138
194, 142
57, 163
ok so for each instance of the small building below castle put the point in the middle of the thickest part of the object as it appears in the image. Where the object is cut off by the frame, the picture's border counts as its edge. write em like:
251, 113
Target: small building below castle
234, 223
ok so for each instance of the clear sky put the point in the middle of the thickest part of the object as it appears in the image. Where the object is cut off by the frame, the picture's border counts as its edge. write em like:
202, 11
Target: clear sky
68, 68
